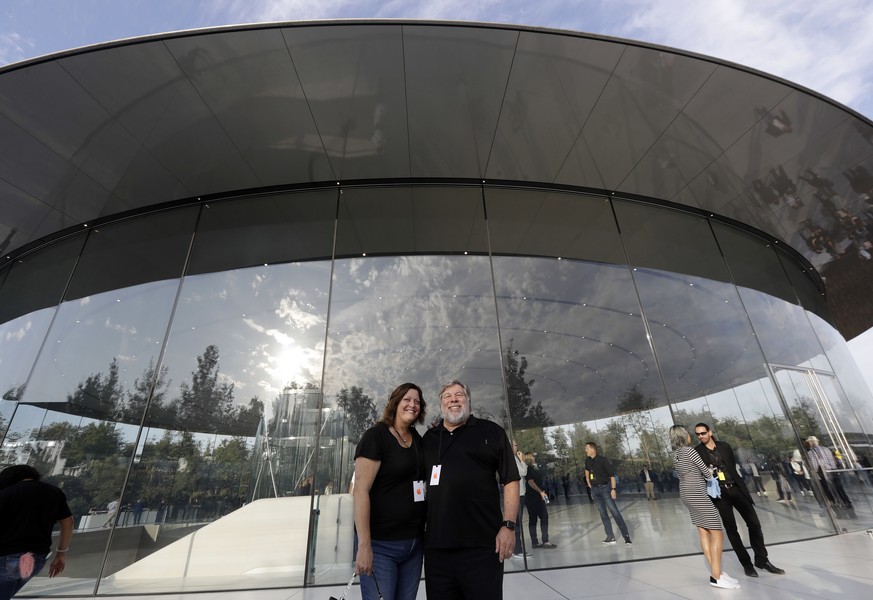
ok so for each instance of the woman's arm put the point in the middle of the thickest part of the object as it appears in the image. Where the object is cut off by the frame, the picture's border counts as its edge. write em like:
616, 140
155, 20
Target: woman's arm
365, 474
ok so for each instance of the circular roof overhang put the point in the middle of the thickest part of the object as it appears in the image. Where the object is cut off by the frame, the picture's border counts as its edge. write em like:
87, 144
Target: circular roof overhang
125, 126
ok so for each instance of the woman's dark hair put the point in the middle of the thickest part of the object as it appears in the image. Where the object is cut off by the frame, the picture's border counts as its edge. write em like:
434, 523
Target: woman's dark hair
16, 473
394, 399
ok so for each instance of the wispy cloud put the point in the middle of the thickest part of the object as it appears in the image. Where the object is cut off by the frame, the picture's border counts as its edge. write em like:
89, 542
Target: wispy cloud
14, 47
810, 43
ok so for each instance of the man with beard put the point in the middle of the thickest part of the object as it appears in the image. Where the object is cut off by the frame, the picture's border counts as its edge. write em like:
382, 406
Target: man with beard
734, 495
468, 536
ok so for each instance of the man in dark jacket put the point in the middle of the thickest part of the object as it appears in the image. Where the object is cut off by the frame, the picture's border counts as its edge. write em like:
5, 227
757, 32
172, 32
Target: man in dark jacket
29, 510
734, 495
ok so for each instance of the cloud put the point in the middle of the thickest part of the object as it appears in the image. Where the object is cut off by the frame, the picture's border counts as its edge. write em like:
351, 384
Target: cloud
14, 47
809, 43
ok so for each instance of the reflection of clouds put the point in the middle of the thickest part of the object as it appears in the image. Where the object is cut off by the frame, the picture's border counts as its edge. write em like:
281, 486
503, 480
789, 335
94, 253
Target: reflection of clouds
297, 316
122, 329
19, 333
268, 323
414, 318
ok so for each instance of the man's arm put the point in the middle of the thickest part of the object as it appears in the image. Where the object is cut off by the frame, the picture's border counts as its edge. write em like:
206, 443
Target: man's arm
504, 543
60, 560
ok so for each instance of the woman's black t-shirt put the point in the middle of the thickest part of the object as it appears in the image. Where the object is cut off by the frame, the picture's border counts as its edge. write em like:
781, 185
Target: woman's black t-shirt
394, 515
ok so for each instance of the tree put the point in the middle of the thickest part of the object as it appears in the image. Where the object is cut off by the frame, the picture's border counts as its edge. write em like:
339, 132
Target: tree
206, 403
131, 411
99, 395
248, 417
360, 411
523, 413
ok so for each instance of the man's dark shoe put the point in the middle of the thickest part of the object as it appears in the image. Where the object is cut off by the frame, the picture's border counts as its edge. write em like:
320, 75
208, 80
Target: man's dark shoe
771, 568
750, 571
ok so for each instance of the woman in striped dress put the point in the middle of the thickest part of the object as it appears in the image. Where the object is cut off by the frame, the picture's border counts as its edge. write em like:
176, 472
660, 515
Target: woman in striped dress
693, 473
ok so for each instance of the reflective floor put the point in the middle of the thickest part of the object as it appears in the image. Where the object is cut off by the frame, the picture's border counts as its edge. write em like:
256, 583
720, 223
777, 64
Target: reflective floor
832, 567
828, 567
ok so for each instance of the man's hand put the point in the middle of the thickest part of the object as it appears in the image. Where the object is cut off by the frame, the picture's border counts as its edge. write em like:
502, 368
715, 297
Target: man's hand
504, 543
58, 564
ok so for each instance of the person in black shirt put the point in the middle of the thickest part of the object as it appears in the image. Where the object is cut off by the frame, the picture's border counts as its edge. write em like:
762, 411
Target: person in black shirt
734, 495
29, 509
468, 537
535, 501
389, 499
600, 477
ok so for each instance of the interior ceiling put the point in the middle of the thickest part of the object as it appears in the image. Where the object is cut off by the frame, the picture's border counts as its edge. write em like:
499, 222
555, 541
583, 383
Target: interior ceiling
99, 131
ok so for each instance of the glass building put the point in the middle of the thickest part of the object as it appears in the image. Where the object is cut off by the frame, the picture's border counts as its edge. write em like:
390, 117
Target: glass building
222, 249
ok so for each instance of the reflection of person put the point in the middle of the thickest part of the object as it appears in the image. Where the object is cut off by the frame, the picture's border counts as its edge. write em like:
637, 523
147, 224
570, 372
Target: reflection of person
29, 509
112, 509
799, 472
535, 502
648, 479
693, 474
600, 477
305, 486
467, 536
389, 499
734, 495
519, 551
138, 508
822, 462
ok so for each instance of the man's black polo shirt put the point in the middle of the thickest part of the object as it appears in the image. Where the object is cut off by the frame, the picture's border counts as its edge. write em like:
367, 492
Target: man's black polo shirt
464, 510
601, 468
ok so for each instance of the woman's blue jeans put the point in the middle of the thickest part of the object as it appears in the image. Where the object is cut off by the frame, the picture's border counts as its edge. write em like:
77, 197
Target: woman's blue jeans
396, 567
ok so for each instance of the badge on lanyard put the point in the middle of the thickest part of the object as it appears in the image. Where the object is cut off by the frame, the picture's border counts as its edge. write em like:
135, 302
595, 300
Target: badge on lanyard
721, 476
418, 492
435, 475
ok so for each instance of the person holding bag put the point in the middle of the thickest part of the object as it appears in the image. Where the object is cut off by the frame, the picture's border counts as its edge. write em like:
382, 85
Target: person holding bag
694, 490
389, 502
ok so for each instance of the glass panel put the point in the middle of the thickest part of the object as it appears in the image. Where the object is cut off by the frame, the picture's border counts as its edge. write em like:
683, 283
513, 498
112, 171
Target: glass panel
29, 296
356, 91
818, 409
554, 84
533, 223
231, 422
266, 230
422, 318
575, 350
750, 418
455, 81
780, 324
102, 347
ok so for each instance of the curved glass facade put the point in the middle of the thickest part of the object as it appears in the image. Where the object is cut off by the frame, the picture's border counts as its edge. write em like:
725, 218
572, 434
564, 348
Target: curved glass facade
214, 365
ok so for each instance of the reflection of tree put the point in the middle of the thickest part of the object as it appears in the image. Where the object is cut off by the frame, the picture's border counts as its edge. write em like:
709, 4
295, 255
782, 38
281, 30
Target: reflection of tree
206, 402
803, 413
523, 413
98, 395
132, 409
360, 411
634, 410
14, 393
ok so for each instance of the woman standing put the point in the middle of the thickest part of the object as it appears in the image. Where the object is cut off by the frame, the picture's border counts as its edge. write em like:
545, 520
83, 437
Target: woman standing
535, 502
389, 499
693, 474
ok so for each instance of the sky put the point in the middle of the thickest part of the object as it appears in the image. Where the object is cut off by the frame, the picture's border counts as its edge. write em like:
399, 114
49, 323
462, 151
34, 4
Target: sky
823, 45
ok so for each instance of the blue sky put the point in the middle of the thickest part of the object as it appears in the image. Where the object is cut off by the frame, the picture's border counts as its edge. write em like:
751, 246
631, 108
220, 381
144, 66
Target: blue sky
825, 45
